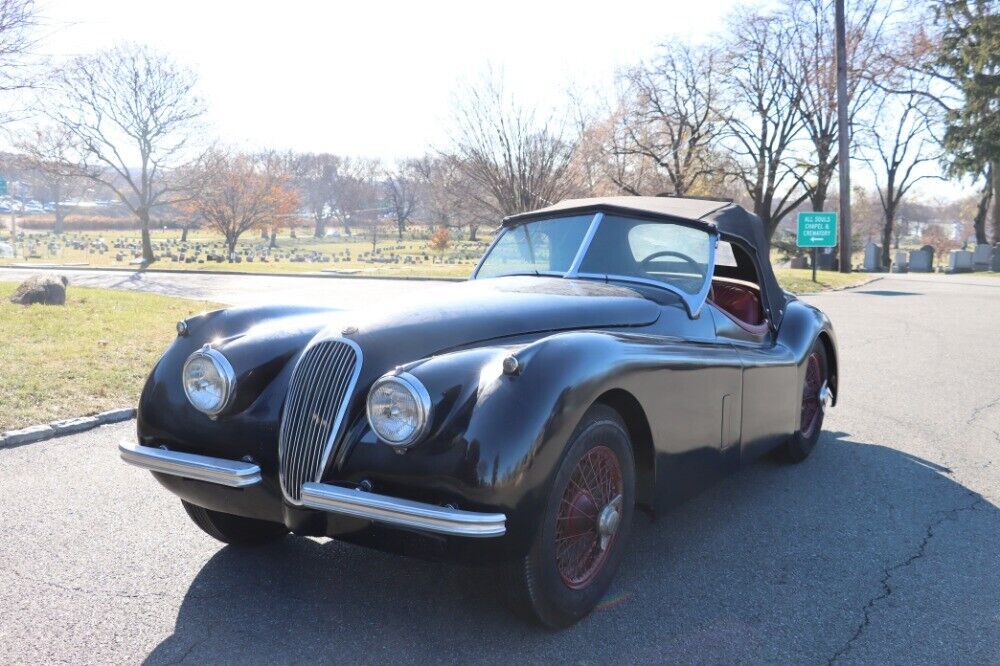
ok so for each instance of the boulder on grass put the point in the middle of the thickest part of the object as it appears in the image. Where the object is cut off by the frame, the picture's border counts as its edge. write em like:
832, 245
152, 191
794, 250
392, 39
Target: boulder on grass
42, 290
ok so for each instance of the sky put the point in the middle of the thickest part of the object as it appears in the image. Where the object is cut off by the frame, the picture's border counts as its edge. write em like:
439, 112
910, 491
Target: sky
379, 79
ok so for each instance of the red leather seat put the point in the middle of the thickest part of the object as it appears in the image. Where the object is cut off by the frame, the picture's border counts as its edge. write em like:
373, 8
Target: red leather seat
739, 301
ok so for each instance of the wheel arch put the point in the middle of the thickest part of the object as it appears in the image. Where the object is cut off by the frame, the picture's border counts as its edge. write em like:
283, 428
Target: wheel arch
831, 357
641, 437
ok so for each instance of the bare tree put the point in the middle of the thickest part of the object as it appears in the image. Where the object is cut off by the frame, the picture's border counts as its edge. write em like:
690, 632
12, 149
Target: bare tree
671, 115
517, 161
354, 190
130, 113
315, 176
761, 114
447, 197
238, 192
901, 143
401, 194
813, 73
59, 179
17, 23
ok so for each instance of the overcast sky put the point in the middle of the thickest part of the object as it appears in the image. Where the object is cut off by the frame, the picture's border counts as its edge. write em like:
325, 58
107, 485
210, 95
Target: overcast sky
376, 78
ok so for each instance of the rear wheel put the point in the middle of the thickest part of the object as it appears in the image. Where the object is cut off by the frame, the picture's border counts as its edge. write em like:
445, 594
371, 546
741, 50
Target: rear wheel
235, 530
584, 526
801, 444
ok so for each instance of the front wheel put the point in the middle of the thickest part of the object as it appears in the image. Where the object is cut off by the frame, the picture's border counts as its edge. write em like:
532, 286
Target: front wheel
814, 393
584, 525
235, 530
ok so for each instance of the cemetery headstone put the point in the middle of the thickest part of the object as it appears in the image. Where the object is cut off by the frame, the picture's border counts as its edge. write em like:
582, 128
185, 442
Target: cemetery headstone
981, 257
959, 261
899, 263
873, 258
922, 260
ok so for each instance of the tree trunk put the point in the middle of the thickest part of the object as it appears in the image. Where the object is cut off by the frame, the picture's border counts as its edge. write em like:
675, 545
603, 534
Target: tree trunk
274, 238
231, 243
400, 228
890, 218
147, 245
473, 228
57, 228
996, 202
184, 234
983, 209
320, 231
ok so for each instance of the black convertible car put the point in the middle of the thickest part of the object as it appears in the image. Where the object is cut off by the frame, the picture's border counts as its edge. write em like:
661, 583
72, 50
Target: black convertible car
607, 354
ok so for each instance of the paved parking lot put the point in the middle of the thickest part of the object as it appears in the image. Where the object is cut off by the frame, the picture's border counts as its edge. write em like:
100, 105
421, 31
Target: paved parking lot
883, 547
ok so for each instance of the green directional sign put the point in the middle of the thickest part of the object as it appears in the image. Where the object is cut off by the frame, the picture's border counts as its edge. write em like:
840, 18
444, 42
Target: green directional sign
817, 230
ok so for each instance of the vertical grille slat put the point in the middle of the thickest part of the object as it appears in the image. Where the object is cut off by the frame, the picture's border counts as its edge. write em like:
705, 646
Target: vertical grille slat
318, 395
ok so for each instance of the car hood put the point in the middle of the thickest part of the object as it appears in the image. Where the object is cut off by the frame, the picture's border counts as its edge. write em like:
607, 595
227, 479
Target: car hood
479, 310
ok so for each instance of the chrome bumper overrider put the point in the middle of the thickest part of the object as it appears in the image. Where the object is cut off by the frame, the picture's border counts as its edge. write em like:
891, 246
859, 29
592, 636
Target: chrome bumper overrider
402, 512
232, 473
321, 496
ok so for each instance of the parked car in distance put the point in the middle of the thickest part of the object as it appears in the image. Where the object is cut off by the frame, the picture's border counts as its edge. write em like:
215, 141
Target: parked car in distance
606, 354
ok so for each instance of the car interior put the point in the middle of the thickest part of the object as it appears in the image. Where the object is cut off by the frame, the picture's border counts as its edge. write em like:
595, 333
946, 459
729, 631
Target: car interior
735, 288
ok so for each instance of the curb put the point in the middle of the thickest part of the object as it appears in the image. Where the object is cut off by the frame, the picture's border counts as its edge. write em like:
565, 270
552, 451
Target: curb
845, 288
170, 271
44, 431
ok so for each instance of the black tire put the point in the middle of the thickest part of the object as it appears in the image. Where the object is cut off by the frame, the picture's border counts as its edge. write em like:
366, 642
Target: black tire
235, 530
801, 444
538, 583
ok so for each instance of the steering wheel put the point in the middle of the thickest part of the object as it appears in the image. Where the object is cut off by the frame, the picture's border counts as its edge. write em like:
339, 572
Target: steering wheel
672, 253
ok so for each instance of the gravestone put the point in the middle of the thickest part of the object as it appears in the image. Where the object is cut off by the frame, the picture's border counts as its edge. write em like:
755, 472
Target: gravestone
959, 261
899, 263
982, 257
873, 258
827, 259
922, 260
995, 263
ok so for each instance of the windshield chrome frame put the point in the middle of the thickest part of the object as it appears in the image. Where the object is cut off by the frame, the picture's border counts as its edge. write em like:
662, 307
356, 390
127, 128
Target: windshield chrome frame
693, 302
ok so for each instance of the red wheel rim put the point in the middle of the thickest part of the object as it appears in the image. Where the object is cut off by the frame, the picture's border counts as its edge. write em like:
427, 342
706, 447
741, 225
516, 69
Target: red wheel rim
810, 395
581, 546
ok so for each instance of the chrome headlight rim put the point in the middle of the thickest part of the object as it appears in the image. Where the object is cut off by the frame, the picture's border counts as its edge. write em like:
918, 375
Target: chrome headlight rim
225, 370
420, 396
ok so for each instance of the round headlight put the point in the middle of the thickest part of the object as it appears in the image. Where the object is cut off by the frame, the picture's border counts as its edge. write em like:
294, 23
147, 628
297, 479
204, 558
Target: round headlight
399, 409
208, 380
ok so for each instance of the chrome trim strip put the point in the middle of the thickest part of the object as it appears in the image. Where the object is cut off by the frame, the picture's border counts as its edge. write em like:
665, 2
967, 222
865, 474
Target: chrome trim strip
402, 512
588, 238
232, 473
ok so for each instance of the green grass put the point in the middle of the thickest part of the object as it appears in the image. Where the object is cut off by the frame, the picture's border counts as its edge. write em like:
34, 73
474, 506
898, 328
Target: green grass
799, 280
90, 355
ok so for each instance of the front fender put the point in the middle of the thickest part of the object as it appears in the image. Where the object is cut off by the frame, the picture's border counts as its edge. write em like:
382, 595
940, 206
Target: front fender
496, 440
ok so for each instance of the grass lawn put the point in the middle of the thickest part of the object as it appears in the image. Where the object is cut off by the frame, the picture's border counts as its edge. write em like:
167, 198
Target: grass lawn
410, 257
799, 280
88, 356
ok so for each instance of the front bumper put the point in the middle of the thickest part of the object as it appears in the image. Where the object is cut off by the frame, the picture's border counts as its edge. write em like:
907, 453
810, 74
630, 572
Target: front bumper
393, 511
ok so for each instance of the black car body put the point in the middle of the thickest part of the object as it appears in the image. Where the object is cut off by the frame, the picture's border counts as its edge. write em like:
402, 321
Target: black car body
706, 364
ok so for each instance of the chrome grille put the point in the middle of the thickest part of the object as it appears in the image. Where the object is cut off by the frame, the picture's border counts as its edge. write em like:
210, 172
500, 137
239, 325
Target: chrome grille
318, 394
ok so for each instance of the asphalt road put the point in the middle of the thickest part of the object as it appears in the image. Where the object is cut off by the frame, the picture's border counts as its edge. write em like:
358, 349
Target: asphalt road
883, 547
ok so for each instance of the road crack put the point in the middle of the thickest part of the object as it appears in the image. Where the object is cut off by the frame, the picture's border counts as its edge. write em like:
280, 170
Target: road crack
887, 574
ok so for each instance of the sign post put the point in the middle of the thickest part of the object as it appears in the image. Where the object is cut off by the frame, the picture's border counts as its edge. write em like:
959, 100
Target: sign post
815, 230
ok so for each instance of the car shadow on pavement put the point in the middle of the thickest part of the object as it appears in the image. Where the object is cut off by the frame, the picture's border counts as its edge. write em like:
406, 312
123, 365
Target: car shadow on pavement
777, 563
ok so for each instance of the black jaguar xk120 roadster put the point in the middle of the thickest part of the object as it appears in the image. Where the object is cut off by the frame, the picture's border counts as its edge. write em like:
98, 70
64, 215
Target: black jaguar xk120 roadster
607, 354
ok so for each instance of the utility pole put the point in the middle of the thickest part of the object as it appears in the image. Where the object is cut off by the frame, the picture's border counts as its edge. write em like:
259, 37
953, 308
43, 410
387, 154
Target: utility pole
843, 140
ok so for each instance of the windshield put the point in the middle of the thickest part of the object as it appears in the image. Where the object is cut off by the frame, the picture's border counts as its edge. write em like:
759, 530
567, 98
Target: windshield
675, 255
545, 246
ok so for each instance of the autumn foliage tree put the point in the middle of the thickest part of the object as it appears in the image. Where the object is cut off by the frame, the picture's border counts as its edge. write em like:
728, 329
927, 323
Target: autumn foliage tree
239, 192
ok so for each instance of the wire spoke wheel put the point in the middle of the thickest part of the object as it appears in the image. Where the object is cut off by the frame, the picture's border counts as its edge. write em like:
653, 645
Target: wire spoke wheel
588, 517
810, 395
